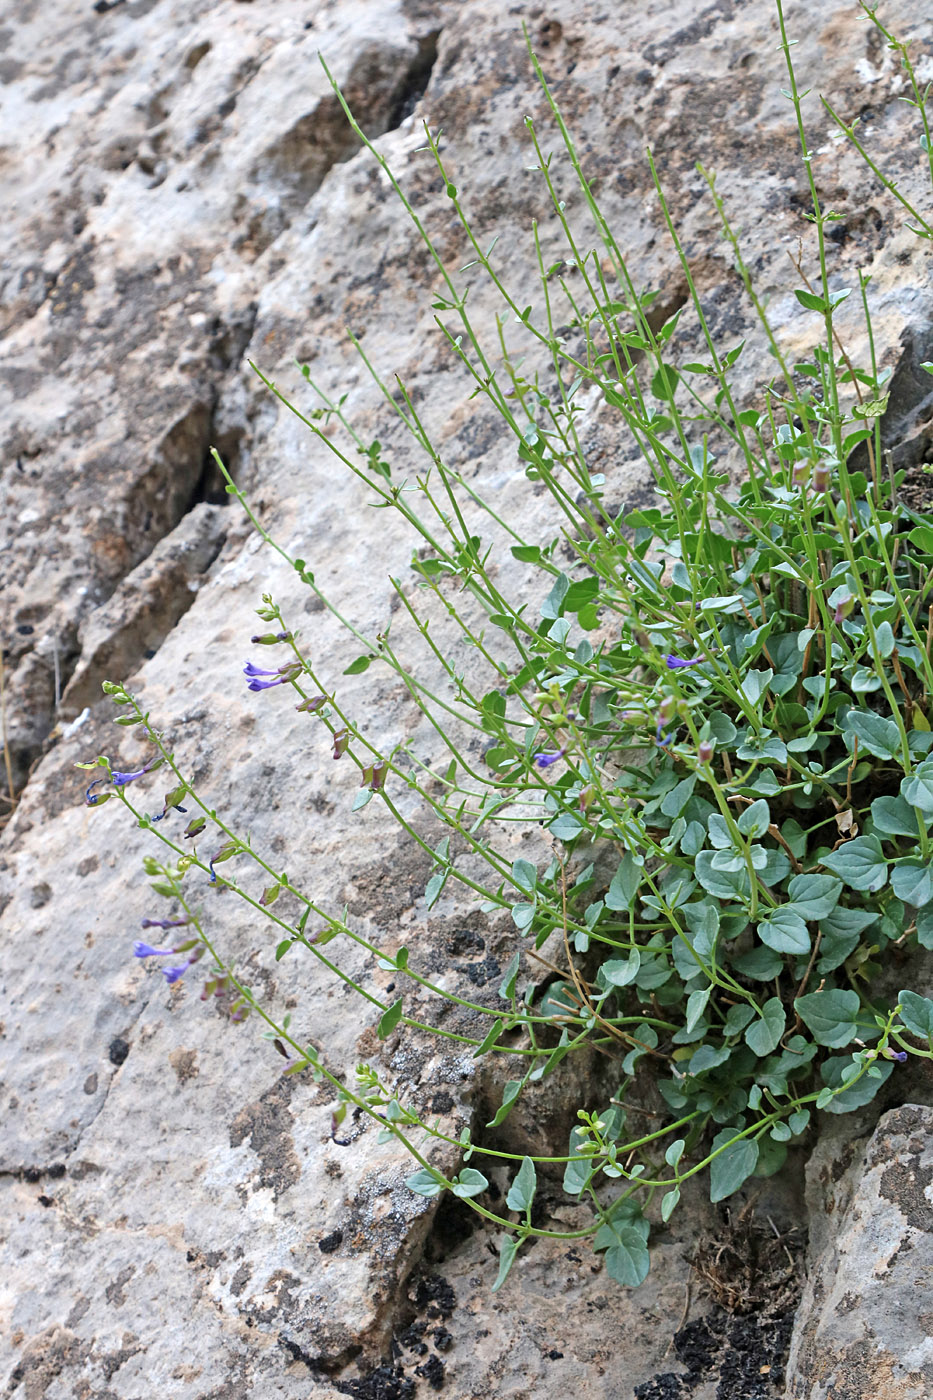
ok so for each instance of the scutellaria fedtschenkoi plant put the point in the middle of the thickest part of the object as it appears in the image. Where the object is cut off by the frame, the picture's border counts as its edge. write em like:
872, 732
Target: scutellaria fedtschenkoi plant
721, 714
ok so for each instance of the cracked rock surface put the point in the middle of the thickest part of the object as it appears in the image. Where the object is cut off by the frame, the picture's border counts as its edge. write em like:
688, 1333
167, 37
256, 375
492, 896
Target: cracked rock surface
175, 1217
863, 1330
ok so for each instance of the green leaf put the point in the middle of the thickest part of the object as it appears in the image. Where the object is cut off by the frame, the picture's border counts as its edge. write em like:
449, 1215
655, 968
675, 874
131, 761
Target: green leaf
424, 1183
917, 789
732, 1166
434, 887
810, 301
860, 863
925, 927
696, 1005
565, 827
857, 1095
763, 1035
830, 1015
577, 1174
507, 989
762, 964
522, 1191
755, 820
917, 1014
674, 802
620, 972
785, 931
621, 893
390, 1020
469, 1183
668, 1202
708, 1057
912, 882
893, 816
509, 1095
721, 883
814, 896
880, 737
508, 1248
884, 637
355, 668
627, 1259
674, 1152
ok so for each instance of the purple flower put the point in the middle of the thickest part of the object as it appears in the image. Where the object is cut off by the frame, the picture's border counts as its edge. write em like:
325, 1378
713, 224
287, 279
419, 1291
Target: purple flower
677, 663
98, 796
146, 950
279, 676
544, 760
121, 779
172, 974
164, 923
899, 1055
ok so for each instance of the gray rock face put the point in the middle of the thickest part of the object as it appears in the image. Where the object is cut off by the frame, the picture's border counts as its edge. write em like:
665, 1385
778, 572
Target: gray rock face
177, 1218
863, 1330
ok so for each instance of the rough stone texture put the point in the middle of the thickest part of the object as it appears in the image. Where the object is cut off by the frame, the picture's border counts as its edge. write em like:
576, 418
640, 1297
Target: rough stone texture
176, 1218
863, 1331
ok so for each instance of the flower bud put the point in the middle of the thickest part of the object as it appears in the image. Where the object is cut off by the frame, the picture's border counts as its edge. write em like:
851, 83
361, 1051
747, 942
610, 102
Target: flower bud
705, 750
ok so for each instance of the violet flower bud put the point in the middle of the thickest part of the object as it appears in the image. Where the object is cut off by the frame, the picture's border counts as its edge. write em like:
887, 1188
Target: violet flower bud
374, 776
677, 663
146, 950
544, 760
312, 703
341, 741
822, 476
270, 639
164, 923
843, 608
899, 1055
705, 750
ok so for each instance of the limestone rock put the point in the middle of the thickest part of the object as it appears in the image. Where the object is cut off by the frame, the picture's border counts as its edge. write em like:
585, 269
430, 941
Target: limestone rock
863, 1328
177, 1218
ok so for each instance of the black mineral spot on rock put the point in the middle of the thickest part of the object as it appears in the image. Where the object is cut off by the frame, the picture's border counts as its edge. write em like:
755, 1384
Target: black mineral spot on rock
666, 1387
385, 1383
442, 1339
432, 1371
331, 1242
465, 943
435, 1295
118, 1050
442, 1102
